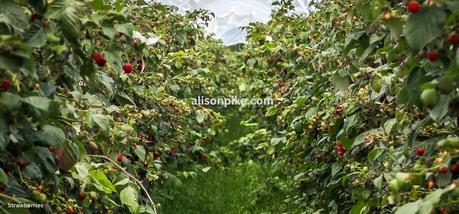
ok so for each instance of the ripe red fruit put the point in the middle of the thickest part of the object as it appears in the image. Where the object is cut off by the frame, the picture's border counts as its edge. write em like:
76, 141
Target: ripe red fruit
413, 6
443, 170
145, 164
81, 196
127, 68
453, 39
134, 159
2, 188
8, 168
432, 56
51, 149
340, 148
5, 85
120, 158
97, 56
99, 59
139, 65
21, 164
33, 17
271, 61
101, 62
454, 168
420, 151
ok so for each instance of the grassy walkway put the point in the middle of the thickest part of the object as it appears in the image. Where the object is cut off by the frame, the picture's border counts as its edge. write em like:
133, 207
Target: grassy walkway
228, 190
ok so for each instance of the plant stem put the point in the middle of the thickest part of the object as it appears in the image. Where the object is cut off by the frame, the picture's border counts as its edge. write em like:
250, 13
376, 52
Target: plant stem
130, 176
7, 197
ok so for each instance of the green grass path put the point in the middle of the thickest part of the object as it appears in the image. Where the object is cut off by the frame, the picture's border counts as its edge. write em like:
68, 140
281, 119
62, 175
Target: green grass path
228, 190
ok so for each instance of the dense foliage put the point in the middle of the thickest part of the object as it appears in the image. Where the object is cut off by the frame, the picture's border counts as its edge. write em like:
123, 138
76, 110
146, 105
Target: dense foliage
95, 105
366, 118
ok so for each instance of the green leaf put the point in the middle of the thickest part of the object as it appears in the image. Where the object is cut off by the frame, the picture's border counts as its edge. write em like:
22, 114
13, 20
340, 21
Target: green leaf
109, 31
33, 171
128, 197
39, 5
3, 177
101, 120
68, 14
9, 100
114, 59
14, 15
356, 209
424, 26
125, 28
389, 125
395, 26
441, 110
41, 103
123, 98
409, 208
100, 5
53, 135
335, 168
140, 152
101, 181
378, 182
298, 176
375, 153
38, 40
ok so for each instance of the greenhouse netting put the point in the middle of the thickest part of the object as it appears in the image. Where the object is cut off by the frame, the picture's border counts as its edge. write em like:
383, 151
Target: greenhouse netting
231, 15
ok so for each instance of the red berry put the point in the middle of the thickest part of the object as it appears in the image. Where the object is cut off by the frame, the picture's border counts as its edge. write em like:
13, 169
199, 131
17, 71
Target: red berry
127, 68
120, 158
139, 65
5, 85
51, 149
101, 62
145, 164
453, 39
8, 168
443, 170
21, 163
33, 17
420, 151
413, 6
99, 59
432, 56
81, 196
2, 188
97, 56
454, 168
134, 159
